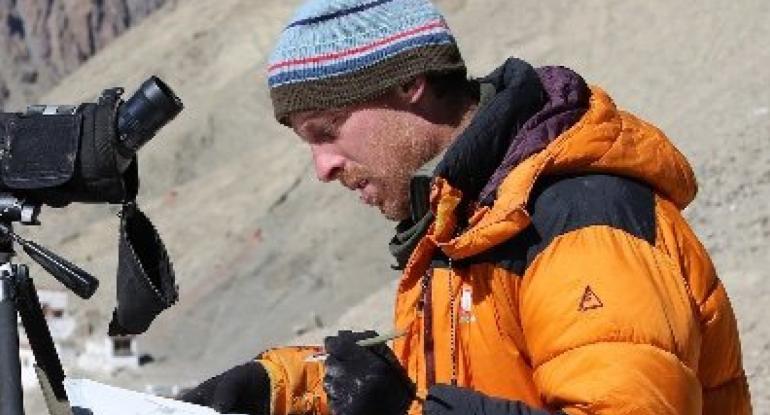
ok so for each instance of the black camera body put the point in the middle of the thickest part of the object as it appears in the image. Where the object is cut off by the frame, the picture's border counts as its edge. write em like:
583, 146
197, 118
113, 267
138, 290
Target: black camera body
56, 155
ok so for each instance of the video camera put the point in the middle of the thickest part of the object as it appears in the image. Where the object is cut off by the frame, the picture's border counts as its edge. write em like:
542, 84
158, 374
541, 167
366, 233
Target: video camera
58, 154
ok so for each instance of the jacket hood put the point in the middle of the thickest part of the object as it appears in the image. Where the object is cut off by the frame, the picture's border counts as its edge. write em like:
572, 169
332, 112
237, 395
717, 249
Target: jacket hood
603, 140
608, 140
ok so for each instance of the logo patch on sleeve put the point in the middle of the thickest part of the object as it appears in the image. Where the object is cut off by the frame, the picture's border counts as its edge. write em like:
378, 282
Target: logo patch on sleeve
590, 300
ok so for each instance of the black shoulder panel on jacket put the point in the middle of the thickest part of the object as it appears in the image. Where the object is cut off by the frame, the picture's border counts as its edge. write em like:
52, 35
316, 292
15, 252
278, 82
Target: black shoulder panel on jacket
559, 205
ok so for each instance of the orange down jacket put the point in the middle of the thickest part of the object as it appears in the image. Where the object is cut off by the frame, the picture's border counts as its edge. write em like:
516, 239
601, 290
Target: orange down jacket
612, 307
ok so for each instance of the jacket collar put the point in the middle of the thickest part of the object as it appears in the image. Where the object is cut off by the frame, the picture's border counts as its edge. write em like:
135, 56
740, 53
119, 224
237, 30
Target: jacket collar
521, 110
474, 156
604, 140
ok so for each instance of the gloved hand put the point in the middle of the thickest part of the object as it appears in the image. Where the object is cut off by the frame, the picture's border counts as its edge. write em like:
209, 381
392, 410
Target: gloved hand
364, 380
242, 389
453, 400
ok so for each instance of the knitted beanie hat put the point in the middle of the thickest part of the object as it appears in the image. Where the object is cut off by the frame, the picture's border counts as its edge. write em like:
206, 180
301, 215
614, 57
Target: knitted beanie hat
339, 52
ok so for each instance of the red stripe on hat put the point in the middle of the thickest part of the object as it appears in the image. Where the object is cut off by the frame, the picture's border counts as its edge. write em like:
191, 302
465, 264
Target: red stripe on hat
358, 49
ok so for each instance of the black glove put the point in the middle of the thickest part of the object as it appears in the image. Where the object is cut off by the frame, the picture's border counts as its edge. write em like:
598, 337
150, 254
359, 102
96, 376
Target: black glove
453, 400
242, 389
364, 380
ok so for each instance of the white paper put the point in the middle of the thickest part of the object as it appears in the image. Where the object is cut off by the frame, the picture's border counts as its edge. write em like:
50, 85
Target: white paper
101, 399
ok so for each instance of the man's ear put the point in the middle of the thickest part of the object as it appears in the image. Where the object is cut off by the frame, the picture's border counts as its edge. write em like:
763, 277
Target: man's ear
412, 91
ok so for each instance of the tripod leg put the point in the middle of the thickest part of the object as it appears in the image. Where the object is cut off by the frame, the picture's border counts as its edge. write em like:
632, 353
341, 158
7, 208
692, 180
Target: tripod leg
11, 401
37, 332
55, 405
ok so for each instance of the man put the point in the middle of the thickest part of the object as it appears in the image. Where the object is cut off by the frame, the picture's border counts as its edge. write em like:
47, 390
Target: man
547, 267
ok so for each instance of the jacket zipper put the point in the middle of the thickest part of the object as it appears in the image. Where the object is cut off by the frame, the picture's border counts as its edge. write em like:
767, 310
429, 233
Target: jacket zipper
452, 326
427, 322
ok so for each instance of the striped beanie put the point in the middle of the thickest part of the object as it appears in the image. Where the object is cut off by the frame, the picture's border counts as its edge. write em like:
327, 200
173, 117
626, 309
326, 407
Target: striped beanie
339, 52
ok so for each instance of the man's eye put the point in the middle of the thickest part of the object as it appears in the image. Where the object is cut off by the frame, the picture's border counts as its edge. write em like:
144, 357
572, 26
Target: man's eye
325, 134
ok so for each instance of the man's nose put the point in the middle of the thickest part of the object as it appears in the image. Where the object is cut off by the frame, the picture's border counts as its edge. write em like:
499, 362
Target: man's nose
328, 163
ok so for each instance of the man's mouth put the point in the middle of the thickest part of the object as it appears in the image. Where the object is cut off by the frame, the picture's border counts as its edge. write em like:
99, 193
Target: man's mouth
365, 192
360, 184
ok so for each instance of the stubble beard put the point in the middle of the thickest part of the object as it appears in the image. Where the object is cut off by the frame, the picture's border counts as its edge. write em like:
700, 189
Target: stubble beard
401, 156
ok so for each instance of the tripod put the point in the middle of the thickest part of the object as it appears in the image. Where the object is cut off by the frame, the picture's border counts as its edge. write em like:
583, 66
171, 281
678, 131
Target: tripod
18, 294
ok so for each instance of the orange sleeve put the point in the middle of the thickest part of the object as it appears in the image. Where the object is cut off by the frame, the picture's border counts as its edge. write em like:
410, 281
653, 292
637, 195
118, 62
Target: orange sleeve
725, 389
610, 327
296, 384
720, 368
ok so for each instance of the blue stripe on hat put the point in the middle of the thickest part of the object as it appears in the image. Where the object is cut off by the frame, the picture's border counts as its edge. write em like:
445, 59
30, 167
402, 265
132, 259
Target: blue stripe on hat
350, 31
336, 14
323, 71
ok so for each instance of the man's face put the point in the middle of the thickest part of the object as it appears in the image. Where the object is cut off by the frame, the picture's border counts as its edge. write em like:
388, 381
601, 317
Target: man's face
371, 148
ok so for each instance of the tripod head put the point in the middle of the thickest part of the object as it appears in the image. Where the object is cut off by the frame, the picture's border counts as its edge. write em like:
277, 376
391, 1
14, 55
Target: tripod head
13, 209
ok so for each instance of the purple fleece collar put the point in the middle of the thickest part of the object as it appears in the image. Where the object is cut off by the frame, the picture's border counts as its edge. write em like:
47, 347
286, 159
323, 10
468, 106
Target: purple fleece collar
567, 101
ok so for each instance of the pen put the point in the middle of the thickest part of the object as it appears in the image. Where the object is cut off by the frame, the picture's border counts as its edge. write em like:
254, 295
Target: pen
371, 341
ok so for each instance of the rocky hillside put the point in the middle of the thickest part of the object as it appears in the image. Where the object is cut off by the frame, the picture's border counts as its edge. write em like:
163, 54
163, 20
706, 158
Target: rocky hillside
45, 40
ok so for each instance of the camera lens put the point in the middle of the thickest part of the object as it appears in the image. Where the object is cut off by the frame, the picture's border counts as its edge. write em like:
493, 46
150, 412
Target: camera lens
146, 112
